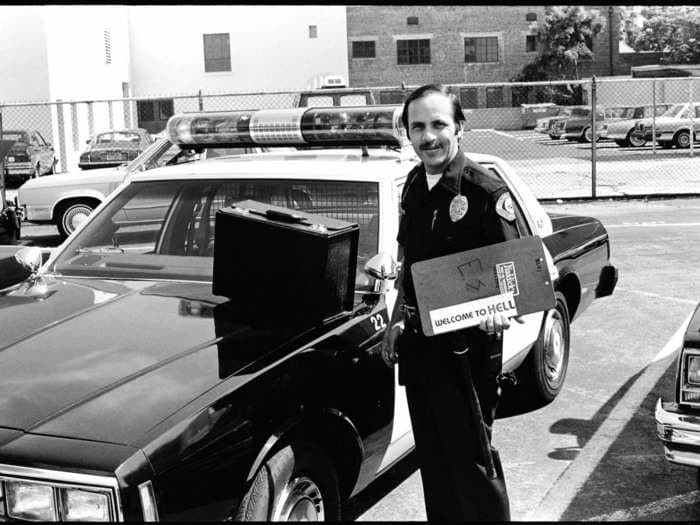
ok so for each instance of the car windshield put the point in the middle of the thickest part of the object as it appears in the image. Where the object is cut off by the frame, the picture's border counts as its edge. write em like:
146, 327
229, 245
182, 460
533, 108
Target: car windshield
165, 229
117, 136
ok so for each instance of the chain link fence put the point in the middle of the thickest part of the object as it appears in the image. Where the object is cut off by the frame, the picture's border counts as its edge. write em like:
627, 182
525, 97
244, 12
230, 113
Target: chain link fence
640, 141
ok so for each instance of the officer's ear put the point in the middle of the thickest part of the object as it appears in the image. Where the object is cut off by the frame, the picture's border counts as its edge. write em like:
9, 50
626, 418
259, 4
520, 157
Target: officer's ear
458, 130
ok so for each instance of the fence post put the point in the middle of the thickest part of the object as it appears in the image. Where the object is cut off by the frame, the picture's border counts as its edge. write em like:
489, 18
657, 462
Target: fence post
61, 135
91, 119
111, 114
653, 116
200, 100
3, 202
691, 113
594, 104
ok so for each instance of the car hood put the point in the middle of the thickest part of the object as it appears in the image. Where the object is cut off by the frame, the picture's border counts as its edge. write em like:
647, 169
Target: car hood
106, 361
78, 178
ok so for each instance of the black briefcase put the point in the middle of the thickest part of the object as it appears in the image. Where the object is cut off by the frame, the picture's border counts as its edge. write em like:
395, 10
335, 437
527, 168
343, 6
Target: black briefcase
284, 264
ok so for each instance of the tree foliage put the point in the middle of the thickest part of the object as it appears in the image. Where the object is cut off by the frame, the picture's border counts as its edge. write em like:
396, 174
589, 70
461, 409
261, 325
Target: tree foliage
672, 30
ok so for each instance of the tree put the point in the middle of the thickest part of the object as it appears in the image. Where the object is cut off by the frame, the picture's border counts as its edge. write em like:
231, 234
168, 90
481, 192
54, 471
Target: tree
564, 37
672, 30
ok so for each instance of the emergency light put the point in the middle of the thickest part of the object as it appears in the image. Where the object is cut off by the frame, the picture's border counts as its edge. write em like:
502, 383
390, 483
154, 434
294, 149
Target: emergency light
330, 126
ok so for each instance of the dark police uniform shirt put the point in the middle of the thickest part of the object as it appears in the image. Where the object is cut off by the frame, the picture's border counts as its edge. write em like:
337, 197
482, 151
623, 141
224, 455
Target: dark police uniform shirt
426, 230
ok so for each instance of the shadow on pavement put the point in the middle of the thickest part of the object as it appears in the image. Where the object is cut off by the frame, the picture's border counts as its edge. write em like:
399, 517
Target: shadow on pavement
633, 480
391, 479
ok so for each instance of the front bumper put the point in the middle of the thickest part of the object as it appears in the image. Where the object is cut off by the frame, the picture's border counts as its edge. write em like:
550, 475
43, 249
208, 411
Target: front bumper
679, 433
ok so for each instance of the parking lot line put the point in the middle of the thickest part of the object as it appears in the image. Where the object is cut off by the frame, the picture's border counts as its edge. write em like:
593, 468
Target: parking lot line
567, 486
658, 224
656, 295
655, 507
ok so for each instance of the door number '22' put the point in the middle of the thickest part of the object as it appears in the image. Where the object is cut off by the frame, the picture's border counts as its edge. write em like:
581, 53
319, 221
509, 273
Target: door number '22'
378, 322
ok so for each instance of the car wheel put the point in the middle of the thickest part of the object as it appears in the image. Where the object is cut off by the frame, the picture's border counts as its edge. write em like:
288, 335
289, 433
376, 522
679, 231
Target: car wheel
544, 369
71, 215
297, 483
586, 135
635, 139
554, 137
682, 139
621, 143
12, 227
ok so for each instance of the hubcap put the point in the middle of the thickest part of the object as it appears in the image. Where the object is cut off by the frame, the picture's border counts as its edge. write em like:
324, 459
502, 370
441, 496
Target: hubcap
301, 500
588, 134
684, 140
637, 140
554, 346
75, 217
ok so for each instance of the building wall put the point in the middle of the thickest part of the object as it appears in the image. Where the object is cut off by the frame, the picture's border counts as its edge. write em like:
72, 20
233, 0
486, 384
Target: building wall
270, 47
447, 26
23, 59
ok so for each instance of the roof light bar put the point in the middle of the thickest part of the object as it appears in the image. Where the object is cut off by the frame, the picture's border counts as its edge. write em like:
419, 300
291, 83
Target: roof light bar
330, 126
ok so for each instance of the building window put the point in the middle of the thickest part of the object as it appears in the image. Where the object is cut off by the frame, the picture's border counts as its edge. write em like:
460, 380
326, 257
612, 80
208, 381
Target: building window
217, 52
494, 97
313, 31
481, 49
412, 21
413, 51
469, 98
364, 49
530, 17
530, 43
144, 109
588, 39
519, 95
165, 109
108, 46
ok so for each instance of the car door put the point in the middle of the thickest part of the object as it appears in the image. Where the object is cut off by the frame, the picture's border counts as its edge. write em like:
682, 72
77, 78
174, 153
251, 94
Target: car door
532, 220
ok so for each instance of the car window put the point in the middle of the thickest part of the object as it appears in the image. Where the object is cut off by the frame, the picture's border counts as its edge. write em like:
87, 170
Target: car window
166, 229
103, 138
319, 101
353, 100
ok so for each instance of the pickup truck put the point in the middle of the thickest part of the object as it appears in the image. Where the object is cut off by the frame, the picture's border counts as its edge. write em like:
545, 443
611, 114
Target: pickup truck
130, 392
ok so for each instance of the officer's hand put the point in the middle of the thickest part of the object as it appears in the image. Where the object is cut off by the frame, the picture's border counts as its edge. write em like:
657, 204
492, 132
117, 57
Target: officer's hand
494, 324
389, 354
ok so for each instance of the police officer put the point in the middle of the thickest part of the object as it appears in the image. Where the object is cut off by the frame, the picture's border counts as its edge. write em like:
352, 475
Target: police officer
449, 204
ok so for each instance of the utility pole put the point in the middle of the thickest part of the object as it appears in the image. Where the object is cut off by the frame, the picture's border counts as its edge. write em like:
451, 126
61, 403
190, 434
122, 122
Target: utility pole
610, 39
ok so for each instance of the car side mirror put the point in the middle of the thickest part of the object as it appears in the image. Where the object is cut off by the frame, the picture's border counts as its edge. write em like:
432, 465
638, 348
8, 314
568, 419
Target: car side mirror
384, 268
19, 266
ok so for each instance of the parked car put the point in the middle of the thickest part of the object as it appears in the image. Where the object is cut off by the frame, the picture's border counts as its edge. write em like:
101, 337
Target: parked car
545, 124
335, 97
30, 156
186, 407
577, 126
113, 148
67, 199
623, 129
672, 127
678, 420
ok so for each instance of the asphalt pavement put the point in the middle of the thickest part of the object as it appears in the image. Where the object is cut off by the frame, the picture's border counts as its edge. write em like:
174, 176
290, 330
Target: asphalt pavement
592, 454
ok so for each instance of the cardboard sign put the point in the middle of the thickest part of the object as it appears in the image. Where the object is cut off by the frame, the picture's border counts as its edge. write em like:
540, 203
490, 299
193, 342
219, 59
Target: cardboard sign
459, 290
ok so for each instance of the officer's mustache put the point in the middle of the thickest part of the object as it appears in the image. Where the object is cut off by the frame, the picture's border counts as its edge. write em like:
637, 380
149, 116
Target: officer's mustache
429, 145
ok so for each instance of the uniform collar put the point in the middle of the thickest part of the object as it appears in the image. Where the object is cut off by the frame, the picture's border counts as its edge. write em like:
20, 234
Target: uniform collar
453, 172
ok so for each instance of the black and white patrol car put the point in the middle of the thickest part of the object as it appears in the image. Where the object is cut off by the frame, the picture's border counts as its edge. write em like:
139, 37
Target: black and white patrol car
129, 391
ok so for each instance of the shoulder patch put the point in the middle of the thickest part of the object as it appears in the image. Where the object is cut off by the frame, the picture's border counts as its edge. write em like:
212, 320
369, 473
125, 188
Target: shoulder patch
504, 207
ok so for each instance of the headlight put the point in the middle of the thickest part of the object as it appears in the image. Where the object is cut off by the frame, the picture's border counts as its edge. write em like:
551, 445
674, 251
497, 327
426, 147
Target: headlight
44, 502
693, 368
81, 505
30, 501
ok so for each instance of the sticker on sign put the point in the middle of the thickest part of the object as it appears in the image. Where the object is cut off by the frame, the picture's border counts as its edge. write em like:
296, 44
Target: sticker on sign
471, 313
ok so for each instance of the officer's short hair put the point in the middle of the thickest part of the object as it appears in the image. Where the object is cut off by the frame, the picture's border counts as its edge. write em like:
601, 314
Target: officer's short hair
424, 91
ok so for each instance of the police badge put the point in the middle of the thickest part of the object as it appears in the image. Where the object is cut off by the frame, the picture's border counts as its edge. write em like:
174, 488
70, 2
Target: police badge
458, 207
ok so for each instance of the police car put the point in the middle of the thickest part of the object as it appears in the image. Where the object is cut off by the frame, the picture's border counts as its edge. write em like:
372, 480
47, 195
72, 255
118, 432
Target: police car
129, 391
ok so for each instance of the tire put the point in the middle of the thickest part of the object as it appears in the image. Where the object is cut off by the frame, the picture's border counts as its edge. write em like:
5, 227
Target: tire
544, 370
68, 215
622, 143
586, 135
665, 144
12, 227
297, 483
682, 139
635, 140
554, 137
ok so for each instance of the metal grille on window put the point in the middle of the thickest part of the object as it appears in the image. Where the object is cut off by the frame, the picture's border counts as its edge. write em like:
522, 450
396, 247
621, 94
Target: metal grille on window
481, 49
413, 51
217, 52
108, 46
364, 49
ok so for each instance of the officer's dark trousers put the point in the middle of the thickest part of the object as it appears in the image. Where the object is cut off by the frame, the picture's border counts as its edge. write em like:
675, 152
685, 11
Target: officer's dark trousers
455, 484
